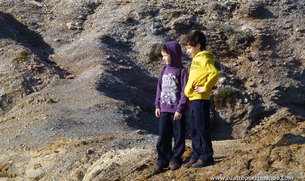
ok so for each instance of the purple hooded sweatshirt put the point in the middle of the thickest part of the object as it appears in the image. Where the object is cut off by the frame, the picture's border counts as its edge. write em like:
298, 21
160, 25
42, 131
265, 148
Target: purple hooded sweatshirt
170, 95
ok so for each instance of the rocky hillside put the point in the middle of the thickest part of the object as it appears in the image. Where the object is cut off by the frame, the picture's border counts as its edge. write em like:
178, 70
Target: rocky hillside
78, 78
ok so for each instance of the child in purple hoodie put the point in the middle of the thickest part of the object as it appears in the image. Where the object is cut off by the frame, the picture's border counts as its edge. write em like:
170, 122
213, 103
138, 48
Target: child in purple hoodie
171, 104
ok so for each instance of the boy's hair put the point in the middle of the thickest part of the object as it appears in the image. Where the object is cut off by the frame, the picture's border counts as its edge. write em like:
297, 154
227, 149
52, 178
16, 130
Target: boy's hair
194, 38
164, 49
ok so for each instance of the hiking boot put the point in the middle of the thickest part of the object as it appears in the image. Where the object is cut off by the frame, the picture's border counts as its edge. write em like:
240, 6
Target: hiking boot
174, 166
157, 170
190, 163
200, 163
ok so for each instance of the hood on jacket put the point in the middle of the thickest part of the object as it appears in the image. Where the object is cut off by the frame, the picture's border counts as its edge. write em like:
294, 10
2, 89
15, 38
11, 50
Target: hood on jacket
174, 50
208, 55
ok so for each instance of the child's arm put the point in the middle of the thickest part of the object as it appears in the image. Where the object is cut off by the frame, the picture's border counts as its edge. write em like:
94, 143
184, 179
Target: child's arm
157, 113
158, 92
211, 76
177, 116
183, 99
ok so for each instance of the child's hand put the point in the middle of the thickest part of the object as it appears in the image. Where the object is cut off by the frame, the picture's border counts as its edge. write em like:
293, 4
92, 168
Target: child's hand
198, 89
177, 116
157, 113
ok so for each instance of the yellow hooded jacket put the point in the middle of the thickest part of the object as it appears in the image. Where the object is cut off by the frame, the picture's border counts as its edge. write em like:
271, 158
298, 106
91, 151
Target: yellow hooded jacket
202, 73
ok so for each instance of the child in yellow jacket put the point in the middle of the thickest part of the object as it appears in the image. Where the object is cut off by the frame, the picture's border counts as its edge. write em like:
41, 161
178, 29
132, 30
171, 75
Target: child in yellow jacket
202, 77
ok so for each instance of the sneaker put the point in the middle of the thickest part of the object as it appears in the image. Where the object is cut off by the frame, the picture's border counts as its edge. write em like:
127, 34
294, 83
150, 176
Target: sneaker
157, 170
190, 163
200, 163
174, 166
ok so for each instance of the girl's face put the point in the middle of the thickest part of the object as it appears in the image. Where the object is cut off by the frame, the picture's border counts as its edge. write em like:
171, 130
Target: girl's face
192, 50
166, 57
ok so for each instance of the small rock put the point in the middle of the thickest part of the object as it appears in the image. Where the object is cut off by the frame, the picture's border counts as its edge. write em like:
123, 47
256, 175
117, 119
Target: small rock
79, 26
252, 84
71, 26
38, 4
50, 100
37, 165
228, 3
90, 151
254, 9
181, 23
75, 26
2, 92
140, 132
70, 76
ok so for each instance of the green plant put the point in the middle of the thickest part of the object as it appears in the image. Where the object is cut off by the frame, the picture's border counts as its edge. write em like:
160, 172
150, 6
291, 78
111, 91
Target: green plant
23, 57
224, 96
24, 53
248, 37
221, 28
176, 14
153, 55
155, 51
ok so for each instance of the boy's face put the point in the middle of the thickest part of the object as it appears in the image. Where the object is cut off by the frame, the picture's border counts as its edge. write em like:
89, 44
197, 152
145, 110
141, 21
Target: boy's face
166, 57
192, 50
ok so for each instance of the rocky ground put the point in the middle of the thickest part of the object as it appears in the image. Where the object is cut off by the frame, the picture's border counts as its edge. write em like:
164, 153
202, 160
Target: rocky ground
78, 78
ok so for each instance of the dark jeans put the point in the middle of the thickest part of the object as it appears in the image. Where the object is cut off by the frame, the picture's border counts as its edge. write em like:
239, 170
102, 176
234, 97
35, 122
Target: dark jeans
199, 114
168, 128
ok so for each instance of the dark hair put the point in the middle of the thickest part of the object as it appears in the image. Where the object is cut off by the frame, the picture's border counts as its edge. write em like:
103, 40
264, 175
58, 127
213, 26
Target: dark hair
164, 49
194, 38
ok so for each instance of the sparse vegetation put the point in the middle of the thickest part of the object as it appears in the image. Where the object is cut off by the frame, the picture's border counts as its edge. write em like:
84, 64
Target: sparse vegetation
221, 28
155, 52
176, 14
153, 55
23, 57
248, 37
224, 96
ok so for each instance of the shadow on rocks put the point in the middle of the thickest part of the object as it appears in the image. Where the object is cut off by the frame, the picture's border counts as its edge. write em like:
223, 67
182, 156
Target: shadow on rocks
256, 9
140, 115
124, 80
12, 29
290, 139
17, 31
220, 129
